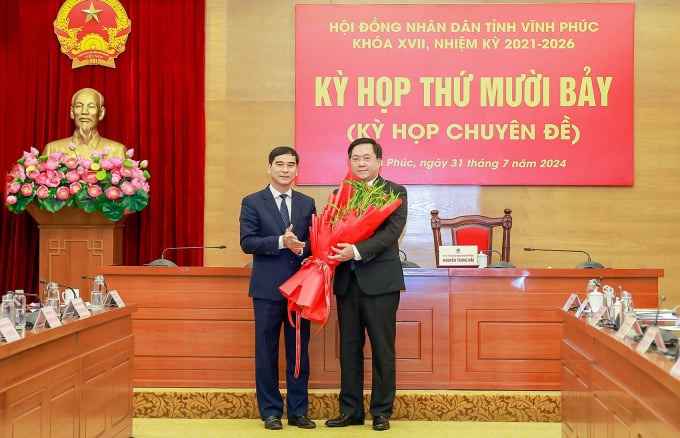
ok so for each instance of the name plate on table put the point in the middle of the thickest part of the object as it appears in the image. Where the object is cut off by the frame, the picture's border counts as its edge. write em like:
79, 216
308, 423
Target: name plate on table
652, 334
76, 305
630, 322
8, 331
571, 301
113, 299
458, 255
47, 317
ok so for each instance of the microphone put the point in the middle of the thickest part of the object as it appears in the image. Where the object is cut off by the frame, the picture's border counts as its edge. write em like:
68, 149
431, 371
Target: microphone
662, 298
85, 277
499, 264
165, 262
585, 265
60, 285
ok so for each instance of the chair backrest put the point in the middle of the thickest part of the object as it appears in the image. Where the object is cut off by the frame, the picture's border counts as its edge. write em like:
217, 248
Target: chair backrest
472, 230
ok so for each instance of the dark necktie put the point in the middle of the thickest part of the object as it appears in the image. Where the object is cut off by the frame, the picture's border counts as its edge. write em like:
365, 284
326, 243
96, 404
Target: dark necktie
284, 211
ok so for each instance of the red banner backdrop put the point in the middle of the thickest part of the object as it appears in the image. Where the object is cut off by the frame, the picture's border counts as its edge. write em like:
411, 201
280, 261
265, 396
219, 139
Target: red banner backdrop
468, 94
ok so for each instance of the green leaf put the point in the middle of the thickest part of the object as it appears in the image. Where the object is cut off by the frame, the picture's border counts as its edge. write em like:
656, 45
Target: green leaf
113, 210
136, 202
84, 201
21, 204
52, 204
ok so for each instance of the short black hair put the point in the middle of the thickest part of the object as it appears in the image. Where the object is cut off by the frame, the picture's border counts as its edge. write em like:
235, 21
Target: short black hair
283, 150
365, 140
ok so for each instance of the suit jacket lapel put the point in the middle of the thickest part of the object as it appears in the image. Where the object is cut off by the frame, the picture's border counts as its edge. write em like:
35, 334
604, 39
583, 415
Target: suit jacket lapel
295, 212
270, 204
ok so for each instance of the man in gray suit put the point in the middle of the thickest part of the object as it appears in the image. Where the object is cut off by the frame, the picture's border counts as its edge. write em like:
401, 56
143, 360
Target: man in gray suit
275, 229
367, 285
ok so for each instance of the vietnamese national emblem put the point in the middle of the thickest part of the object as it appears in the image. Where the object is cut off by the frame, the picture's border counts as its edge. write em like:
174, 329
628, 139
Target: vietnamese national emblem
92, 32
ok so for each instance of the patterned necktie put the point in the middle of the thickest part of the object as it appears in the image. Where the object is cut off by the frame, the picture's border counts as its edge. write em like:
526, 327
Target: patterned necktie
284, 211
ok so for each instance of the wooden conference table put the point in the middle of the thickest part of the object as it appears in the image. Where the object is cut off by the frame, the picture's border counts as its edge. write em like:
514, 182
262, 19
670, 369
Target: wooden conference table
463, 328
69, 381
610, 390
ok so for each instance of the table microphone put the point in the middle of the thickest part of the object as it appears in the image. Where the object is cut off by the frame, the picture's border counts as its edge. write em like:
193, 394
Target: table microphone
585, 265
85, 277
662, 298
165, 262
60, 285
499, 264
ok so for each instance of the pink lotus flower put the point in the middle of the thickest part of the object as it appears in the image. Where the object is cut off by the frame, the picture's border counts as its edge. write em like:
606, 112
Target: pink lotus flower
94, 191
30, 159
127, 188
75, 188
106, 164
89, 177
32, 172
42, 192
71, 162
51, 164
72, 176
117, 162
13, 187
115, 178
27, 190
63, 193
113, 193
11, 200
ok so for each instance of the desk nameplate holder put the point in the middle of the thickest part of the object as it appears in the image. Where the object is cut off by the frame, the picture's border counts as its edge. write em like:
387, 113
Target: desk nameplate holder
630, 322
571, 301
8, 331
457, 255
598, 315
652, 334
113, 299
47, 318
76, 306
581, 308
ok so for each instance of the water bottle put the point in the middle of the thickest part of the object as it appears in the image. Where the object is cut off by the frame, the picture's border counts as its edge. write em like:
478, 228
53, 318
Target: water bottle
19, 309
627, 304
98, 293
53, 296
7, 308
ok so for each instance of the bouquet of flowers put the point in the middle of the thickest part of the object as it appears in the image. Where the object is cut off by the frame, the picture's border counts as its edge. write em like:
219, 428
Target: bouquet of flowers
351, 215
113, 186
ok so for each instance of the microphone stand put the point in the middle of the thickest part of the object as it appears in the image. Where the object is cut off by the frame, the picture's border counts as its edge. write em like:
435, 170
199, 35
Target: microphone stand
168, 263
585, 265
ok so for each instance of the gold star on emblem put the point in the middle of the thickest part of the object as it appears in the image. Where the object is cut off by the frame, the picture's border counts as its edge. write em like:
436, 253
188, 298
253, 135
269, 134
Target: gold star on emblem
92, 13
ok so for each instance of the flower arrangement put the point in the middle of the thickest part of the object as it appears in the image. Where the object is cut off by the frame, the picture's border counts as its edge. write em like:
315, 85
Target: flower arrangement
113, 186
352, 214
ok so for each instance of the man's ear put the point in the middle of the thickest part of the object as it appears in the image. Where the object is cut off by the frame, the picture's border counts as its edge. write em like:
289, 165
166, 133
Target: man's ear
102, 111
72, 114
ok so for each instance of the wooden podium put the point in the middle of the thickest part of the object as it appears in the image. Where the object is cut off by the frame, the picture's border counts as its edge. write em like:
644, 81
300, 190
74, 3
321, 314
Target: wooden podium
74, 243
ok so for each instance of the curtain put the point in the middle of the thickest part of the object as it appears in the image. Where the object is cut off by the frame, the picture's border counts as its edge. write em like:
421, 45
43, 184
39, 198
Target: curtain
154, 101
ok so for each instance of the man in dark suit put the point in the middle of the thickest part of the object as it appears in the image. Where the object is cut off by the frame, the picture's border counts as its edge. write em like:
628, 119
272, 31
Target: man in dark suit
367, 285
275, 229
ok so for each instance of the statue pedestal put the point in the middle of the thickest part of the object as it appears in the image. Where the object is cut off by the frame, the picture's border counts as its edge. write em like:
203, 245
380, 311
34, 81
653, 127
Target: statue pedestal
74, 243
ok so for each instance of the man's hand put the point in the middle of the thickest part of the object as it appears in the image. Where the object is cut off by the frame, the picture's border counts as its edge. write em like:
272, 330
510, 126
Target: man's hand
343, 252
291, 241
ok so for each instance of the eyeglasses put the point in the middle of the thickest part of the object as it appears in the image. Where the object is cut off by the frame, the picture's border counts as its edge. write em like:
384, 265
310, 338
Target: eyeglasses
365, 159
